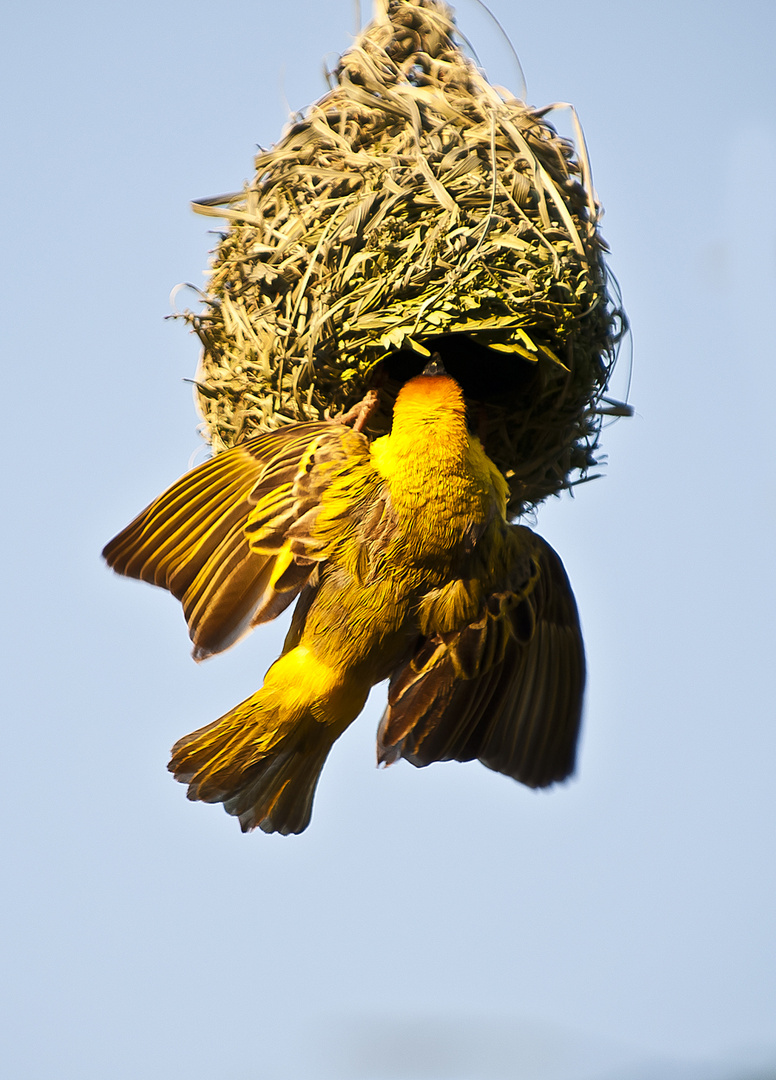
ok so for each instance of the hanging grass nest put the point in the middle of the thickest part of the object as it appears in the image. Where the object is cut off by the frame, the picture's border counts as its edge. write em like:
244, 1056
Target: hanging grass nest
414, 210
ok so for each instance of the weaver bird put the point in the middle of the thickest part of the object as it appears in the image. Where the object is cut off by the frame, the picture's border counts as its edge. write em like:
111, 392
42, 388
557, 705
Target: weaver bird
406, 568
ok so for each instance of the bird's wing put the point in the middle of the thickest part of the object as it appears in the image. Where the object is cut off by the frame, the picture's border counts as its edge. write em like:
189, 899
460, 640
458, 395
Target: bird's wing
217, 538
506, 687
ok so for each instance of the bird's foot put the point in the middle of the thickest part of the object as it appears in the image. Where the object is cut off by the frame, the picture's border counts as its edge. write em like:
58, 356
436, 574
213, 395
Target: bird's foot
362, 411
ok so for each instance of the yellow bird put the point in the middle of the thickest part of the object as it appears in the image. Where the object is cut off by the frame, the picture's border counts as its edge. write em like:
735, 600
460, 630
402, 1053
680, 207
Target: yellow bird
406, 569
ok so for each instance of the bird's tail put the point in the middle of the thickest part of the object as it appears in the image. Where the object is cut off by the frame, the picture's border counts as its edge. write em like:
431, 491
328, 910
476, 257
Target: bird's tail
274, 790
263, 759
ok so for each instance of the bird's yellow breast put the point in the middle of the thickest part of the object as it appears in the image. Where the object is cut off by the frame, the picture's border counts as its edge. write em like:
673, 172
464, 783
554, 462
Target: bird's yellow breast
399, 523
442, 485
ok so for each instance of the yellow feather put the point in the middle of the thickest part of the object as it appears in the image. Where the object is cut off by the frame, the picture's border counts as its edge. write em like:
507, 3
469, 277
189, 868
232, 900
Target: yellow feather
406, 569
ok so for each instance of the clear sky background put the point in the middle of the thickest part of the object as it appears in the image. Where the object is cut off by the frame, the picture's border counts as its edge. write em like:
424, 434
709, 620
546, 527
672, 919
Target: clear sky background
443, 923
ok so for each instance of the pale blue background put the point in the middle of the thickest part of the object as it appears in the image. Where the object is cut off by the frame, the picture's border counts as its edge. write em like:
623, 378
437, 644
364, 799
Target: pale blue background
443, 923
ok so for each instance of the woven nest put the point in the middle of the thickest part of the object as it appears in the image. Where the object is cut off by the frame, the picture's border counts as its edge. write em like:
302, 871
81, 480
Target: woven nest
414, 210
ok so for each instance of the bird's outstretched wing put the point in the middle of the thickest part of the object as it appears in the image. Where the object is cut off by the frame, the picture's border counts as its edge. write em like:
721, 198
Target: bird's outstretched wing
217, 538
506, 687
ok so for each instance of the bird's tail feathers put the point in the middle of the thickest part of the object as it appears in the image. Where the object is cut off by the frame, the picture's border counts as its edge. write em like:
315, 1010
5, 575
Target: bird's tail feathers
262, 760
263, 770
277, 794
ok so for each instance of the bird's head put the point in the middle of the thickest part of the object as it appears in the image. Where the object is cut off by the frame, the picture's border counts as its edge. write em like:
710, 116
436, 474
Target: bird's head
433, 397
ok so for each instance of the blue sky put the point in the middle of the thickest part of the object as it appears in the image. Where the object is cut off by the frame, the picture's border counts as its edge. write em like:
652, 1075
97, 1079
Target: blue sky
440, 923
